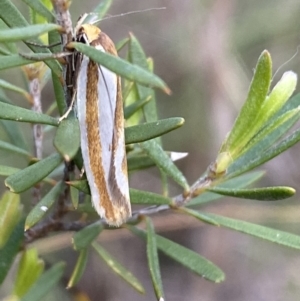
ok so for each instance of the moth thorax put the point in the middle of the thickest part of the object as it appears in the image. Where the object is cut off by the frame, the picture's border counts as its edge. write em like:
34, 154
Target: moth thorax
87, 33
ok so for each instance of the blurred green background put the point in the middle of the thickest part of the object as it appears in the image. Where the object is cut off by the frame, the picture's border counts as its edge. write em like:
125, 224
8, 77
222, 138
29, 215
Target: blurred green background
206, 52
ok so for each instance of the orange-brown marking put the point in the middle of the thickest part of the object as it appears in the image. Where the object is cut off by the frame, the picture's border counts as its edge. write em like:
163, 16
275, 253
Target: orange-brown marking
117, 197
94, 139
96, 37
92, 32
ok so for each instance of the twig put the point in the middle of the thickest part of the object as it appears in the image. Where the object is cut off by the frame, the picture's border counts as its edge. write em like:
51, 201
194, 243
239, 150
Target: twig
54, 223
37, 130
35, 92
63, 18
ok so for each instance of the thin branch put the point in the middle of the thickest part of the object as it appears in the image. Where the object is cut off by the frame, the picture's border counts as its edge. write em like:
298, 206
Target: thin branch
37, 131
35, 92
63, 18
55, 223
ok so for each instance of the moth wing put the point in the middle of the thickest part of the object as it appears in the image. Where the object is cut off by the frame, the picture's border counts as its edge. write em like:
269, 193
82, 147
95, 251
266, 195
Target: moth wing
100, 114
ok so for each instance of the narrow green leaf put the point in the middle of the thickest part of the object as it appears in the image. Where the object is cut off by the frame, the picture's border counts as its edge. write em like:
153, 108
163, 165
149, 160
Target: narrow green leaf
147, 131
87, 208
257, 150
31, 175
39, 7
243, 128
127, 92
3, 96
78, 160
273, 235
10, 112
14, 134
23, 33
13, 60
188, 258
13, 18
11, 47
260, 194
164, 183
139, 162
4, 51
278, 96
100, 11
243, 180
30, 269
134, 107
6, 85
147, 198
45, 283
51, 110
136, 196
67, 138
153, 261
54, 38
130, 97
83, 238
10, 213
238, 182
204, 198
11, 249
11, 15
162, 160
235, 170
121, 44
42, 207
281, 125
81, 185
74, 197
292, 103
137, 56
121, 67
79, 268
59, 94
7, 170
118, 268
14, 149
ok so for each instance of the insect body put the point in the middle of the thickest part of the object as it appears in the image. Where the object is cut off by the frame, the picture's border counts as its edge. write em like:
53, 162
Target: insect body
100, 114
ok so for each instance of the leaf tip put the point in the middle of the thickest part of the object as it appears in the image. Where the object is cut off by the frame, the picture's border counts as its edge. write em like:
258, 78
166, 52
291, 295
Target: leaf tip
175, 156
290, 77
9, 186
26, 227
167, 90
266, 54
291, 190
67, 158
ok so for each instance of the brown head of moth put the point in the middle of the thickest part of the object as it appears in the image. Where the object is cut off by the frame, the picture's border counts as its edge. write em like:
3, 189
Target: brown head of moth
101, 119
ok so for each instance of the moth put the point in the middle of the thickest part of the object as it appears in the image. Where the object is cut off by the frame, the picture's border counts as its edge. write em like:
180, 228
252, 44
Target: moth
101, 121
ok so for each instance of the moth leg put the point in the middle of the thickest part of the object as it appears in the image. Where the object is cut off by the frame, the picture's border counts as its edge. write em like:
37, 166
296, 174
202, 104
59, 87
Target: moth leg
42, 45
45, 56
82, 171
69, 109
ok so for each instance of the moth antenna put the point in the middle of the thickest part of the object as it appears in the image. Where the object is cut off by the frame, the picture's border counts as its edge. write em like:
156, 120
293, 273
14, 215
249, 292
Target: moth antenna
289, 60
128, 13
80, 21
